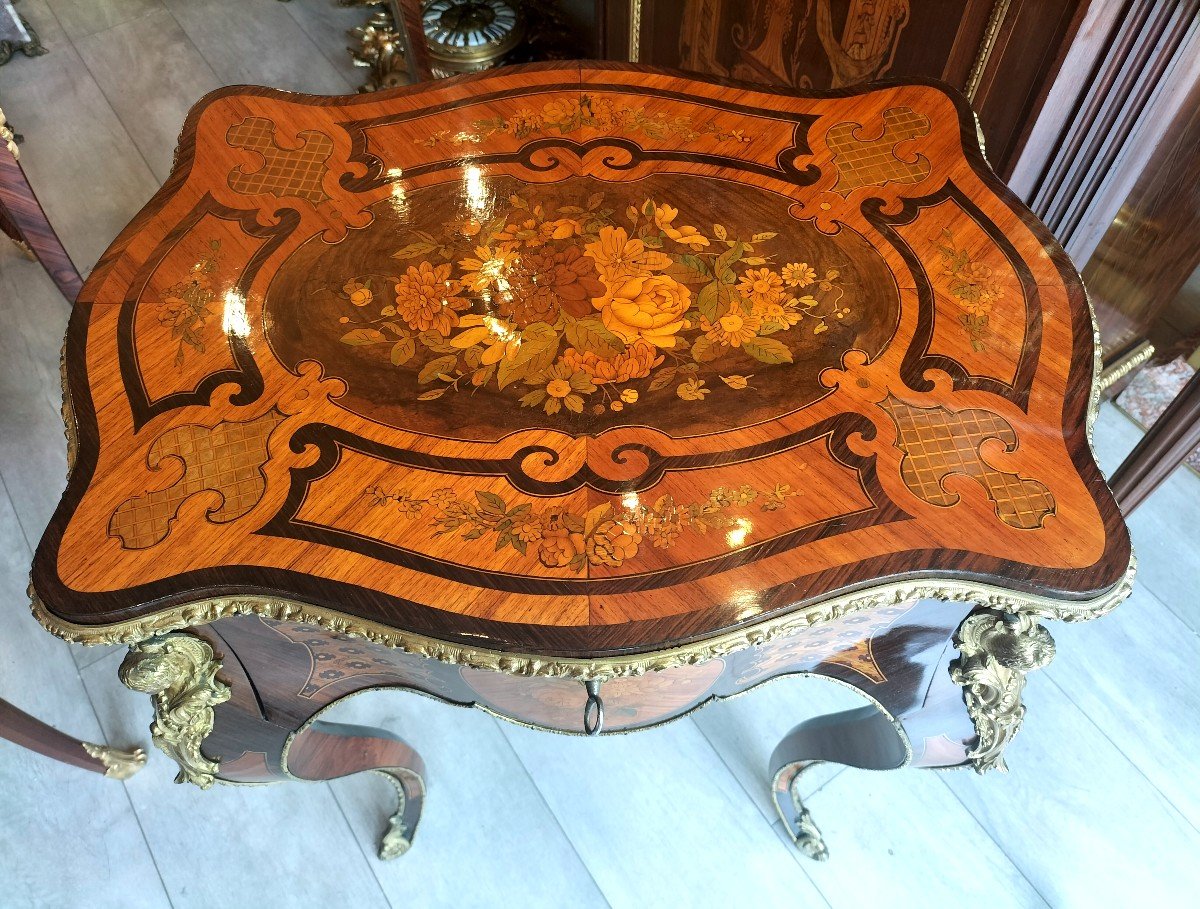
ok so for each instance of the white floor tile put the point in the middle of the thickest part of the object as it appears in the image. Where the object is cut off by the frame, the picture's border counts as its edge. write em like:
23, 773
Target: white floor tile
258, 42
1133, 673
897, 834
80, 18
88, 174
153, 97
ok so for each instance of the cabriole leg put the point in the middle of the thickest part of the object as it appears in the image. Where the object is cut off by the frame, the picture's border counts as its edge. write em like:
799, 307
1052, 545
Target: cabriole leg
864, 738
326, 751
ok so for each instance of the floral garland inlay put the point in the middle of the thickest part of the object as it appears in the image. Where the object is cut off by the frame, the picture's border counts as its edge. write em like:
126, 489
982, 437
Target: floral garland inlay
973, 284
580, 310
569, 115
185, 306
605, 535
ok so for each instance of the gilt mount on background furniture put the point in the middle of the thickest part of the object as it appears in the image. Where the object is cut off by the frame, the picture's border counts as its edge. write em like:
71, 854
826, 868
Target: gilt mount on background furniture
16, 34
585, 394
20, 728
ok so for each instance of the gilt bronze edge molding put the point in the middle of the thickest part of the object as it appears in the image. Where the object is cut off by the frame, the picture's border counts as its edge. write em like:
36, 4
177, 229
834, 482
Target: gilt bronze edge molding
983, 54
202, 612
1123, 366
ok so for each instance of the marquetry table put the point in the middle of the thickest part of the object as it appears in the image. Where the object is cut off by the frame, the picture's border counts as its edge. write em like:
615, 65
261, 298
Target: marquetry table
586, 395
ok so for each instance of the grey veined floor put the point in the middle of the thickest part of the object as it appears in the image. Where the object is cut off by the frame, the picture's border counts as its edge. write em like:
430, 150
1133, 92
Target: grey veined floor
1099, 809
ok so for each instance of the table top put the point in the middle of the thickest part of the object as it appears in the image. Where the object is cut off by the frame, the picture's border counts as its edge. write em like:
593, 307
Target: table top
577, 360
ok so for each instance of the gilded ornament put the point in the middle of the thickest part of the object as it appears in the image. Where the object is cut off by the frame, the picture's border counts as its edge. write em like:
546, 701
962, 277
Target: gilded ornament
1113, 373
467, 36
804, 832
8, 137
209, 610
986, 46
996, 651
380, 49
179, 671
808, 835
397, 838
119, 764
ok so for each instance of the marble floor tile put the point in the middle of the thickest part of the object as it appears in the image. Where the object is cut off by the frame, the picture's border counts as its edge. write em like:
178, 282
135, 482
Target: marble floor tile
81, 18
32, 324
33, 461
901, 834
326, 23
235, 845
1166, 538
482, 813
660, 820
1085, 827
1133, 675
258, 42
32, 446
68, 837
152, 98
88, 174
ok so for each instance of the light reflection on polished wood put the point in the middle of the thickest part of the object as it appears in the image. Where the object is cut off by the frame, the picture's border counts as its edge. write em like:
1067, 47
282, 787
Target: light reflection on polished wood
580, 373
614, 355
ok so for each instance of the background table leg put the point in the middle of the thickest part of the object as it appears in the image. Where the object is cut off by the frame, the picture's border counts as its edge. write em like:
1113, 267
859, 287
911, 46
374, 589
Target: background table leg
19, 727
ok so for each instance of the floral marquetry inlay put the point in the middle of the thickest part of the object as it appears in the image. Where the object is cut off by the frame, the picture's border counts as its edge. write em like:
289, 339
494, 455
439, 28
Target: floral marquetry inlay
577, 361
605, 535
580, 306
569, 116
576, 304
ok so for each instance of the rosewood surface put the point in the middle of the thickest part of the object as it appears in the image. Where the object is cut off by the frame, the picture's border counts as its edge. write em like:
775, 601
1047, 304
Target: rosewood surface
577, 360
22, 219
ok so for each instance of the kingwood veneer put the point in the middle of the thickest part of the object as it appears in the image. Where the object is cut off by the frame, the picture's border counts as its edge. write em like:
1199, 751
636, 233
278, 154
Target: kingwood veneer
584, 394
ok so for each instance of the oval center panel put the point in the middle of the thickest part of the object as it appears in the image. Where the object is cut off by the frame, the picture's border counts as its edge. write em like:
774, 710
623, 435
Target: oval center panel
475, 308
